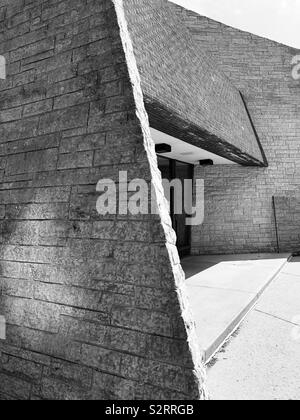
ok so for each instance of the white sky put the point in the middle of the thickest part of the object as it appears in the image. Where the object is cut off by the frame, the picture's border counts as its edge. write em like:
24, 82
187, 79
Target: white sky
274, 19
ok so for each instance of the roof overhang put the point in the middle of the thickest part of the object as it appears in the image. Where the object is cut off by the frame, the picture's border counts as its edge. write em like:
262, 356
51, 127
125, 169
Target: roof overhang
186, 95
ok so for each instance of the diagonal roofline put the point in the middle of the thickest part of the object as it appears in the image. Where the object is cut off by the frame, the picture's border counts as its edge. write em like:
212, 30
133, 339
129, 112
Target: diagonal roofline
251, 34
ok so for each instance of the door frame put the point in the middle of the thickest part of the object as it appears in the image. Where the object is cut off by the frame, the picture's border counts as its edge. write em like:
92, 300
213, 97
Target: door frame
183, 251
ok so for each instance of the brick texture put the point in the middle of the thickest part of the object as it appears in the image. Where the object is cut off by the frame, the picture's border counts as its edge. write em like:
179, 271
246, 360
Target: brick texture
287, 215
239, 214
91, 302
186, 94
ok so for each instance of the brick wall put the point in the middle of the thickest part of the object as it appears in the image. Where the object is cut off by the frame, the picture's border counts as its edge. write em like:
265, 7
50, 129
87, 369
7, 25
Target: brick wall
91, 302
239, 214
288, 222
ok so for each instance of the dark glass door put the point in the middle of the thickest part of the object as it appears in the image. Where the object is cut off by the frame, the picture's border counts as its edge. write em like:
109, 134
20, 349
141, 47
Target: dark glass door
173, 169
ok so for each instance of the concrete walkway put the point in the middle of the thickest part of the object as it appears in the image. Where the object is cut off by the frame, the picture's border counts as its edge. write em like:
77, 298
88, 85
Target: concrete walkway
262, 362
223, 289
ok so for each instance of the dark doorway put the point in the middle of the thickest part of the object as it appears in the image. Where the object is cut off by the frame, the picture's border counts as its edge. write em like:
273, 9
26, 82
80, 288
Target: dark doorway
173, 169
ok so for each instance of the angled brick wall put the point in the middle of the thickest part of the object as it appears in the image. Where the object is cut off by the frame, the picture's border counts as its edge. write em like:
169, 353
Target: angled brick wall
239, 213
93, 304
185, 91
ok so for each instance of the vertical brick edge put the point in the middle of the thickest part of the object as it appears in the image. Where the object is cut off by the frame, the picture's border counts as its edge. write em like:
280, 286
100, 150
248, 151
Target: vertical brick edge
178, 273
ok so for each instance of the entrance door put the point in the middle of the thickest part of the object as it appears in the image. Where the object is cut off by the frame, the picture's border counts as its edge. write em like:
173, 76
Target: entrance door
173, 169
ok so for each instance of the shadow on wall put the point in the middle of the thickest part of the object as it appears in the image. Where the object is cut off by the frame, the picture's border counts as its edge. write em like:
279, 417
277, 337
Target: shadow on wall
287, 211
52, 283
79, 308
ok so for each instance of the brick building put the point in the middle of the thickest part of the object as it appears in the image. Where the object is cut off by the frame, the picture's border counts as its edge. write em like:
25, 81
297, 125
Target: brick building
96, 306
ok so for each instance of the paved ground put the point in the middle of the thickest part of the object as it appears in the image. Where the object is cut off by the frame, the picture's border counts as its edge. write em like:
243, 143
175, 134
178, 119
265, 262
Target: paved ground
222, 290
262, 362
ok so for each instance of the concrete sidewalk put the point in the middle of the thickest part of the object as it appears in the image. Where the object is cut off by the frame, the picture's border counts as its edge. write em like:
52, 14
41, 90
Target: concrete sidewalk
223, 289
262, 362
